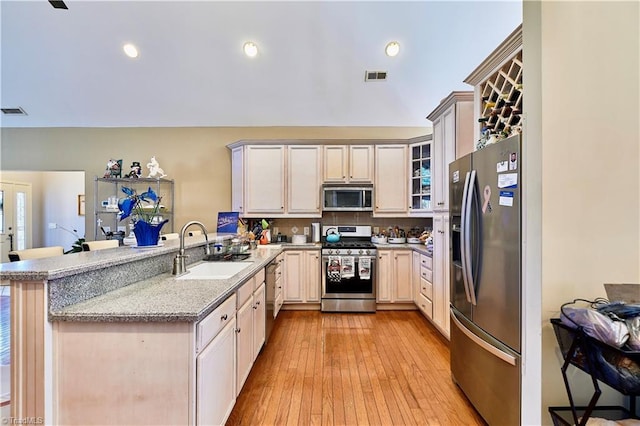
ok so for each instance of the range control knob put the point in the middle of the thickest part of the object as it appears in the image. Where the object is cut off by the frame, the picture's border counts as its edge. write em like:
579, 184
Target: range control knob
349, 251
360, 251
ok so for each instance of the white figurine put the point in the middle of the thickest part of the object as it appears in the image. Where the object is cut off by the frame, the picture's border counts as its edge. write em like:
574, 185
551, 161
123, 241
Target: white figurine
155, 171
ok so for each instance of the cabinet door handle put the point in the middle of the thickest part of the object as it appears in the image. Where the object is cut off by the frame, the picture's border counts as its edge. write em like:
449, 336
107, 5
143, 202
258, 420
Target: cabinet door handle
238, 330
255, 306
224, 317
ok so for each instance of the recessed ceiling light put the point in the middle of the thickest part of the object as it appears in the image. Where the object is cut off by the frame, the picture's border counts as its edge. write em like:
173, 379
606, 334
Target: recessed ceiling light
250, 49
392, 49
130, 50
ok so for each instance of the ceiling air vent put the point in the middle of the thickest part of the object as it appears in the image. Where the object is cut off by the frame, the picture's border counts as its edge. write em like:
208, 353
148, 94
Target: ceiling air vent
375, 76
13, 111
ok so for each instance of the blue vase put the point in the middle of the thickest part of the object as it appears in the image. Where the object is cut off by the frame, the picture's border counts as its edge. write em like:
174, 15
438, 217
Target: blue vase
148, 234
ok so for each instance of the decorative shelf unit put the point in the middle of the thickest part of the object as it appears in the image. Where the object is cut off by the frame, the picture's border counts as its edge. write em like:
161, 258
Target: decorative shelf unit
108, 190
498, 89
501, 94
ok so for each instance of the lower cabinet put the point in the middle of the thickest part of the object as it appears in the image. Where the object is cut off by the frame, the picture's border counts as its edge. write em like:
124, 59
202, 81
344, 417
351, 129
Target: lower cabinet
302, 276
215, 378
422, 282
441, 273
394, 276
250, 326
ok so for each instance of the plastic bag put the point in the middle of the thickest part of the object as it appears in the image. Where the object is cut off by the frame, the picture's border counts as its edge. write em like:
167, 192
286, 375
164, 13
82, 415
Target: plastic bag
596, 325
633, 324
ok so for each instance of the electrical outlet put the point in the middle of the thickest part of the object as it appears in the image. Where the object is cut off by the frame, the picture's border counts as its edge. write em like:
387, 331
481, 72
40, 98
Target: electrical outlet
306, 230
276, 230
53, 225
376, 229
106, 228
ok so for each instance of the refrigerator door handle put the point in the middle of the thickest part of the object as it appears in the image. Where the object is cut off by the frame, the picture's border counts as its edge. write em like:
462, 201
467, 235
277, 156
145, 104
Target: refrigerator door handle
463, 237
467, 264
508, 358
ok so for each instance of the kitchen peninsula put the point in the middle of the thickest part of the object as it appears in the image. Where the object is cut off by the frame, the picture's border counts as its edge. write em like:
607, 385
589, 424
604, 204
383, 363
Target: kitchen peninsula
113, 337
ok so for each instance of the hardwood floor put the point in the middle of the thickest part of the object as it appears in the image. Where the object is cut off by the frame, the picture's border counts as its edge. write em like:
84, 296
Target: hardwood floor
387, 368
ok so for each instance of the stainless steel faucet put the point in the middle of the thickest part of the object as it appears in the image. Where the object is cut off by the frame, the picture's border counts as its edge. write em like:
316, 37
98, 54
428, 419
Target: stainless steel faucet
179, 264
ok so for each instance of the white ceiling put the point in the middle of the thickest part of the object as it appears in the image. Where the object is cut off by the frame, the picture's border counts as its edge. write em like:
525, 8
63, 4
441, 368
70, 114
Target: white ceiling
66, 68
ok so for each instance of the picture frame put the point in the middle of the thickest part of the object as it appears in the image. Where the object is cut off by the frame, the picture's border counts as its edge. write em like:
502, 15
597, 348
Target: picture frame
81, 204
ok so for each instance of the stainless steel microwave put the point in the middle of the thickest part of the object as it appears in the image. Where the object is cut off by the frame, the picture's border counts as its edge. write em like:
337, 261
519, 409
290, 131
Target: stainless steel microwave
347, 198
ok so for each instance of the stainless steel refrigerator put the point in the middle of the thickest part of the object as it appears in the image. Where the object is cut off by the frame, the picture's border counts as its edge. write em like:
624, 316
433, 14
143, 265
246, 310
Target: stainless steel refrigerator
485, 214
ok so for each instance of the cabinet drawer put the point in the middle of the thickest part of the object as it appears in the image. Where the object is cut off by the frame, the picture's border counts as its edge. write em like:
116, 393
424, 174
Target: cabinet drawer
209, 327
278, 304
425, 306
426, 288
426, 261
278, 289
245, 292
426, 274
258, 278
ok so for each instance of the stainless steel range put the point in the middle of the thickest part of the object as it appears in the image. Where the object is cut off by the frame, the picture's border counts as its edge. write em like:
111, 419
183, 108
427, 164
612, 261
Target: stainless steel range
348, 270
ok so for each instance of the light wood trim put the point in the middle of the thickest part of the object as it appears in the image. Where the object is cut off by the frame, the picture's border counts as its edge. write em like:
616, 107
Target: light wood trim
124, 373
451, 99
28, 320
506, 50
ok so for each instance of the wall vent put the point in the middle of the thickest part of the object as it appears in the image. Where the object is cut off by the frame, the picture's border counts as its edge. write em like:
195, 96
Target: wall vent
13, 111
375, 76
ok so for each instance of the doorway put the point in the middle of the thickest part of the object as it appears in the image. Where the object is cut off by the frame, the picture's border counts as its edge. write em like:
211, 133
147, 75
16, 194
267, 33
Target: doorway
15, 217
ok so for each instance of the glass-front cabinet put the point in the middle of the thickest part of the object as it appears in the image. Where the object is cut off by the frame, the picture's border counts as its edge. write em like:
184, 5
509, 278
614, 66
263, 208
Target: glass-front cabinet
420, 180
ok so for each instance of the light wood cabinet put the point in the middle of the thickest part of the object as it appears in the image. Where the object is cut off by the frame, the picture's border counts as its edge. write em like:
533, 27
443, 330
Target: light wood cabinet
302, 276
237, 179
422, 281
312, 262
452, 138
394, 276
215, 380
259, 319
276, 180
304, 179
348, 164
264, 184
244, 342
420, 178
391, 186
440, 291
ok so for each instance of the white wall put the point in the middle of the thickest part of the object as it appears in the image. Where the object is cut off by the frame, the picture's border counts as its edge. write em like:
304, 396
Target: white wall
588, 99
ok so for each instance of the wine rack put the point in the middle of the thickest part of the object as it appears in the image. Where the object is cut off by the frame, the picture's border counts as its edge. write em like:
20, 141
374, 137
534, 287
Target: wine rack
501, 95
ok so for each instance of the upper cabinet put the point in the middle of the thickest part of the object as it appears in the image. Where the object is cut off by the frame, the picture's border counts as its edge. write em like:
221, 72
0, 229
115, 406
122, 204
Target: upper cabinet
452, 138
391, 187
348, 164
264, 184
276, 180
304, 179
421, 154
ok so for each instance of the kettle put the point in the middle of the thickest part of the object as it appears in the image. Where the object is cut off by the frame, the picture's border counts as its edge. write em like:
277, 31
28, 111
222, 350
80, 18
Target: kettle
333, 236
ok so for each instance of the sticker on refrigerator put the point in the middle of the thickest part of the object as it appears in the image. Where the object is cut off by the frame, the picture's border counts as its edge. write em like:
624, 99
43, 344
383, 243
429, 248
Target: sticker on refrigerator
456, 176
506, 198
508, 180
502, 166
513, 161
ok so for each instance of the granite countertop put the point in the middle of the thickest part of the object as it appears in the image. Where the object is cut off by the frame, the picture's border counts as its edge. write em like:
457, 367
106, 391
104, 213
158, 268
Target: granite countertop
421, 248
76, 263
164, 297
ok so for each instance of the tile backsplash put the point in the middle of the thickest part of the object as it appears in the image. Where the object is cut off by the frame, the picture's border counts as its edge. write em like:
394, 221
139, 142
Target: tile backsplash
285, 225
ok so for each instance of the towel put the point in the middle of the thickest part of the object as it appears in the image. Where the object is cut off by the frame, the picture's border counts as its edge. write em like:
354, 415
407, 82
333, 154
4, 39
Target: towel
347, 267
334, 269
364, 268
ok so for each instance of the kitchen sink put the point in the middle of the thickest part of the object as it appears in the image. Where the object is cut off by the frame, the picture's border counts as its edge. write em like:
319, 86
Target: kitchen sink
214, 270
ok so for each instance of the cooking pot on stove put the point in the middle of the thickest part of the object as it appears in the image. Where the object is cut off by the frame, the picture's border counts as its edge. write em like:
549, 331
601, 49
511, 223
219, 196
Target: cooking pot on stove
333, 236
